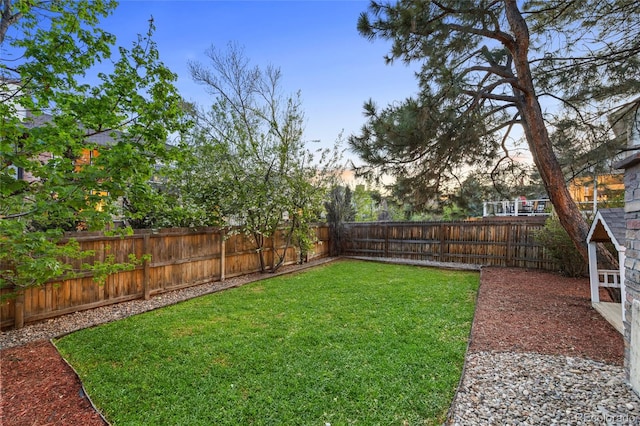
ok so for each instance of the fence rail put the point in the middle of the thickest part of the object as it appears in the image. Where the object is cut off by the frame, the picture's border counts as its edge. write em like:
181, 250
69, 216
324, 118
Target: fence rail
482, 242
180, 258
185, 257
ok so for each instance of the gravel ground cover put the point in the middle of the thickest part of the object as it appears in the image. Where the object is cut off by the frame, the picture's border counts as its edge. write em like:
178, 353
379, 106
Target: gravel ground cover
541, 355
535, 389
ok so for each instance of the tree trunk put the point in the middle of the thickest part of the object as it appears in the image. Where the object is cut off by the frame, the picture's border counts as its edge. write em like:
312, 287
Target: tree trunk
259, 239
7, 19
282, 258
537, 136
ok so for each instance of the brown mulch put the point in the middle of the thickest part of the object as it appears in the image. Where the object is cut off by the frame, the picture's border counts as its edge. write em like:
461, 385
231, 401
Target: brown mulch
521, 310
518, 310
39, 388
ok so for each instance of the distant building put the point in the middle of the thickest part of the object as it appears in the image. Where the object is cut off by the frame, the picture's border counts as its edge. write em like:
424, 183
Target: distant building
606, 190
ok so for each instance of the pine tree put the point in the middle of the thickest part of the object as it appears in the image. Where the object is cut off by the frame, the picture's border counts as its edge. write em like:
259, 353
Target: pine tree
487, 66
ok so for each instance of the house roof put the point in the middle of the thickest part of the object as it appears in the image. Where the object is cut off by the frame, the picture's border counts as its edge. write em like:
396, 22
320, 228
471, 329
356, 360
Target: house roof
101, 138
609, 225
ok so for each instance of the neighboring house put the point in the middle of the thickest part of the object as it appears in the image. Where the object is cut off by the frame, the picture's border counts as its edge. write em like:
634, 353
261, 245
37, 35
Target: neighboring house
521, 206
605, 189
589, 192
86, 156
95, 142
625, 123
10, 89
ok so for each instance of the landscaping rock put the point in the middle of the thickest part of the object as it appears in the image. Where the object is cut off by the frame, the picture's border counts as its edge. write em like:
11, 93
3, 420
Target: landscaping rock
531, 389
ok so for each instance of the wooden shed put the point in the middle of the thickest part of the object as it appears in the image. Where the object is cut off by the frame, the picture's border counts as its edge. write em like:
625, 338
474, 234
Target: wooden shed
608, 226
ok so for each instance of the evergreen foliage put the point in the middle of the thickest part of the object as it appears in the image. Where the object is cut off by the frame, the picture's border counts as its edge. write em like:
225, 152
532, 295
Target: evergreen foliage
488, 68
339, 210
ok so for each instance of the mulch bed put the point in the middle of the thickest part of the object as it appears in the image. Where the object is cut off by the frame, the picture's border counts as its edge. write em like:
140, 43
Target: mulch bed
518, 310
521, 310
39, 388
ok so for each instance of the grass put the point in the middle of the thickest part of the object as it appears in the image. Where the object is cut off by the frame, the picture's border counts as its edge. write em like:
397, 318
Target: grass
347, 343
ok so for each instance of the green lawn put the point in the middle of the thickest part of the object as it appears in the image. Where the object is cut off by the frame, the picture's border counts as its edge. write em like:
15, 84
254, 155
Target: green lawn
346, 343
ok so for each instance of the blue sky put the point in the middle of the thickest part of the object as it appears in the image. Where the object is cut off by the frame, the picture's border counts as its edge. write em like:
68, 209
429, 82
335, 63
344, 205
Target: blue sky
314, 43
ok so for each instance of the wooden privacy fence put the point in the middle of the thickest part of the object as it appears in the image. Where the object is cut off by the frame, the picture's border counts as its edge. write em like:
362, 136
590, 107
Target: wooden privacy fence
481, 242
180, 258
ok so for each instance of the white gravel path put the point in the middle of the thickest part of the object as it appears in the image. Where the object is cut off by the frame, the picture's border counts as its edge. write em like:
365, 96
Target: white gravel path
507, 388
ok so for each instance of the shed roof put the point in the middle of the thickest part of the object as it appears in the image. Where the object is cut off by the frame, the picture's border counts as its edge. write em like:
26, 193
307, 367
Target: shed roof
609, 225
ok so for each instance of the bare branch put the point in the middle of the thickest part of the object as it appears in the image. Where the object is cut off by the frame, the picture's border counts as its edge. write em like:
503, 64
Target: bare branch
508, 124
18, 215
499, 71
505, 38
505, 98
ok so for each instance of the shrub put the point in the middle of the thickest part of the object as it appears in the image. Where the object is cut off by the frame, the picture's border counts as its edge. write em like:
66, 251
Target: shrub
556, 241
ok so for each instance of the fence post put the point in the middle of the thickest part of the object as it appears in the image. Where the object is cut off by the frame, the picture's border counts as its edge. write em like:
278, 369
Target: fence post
509, 254
19, 310
442, 240
146, 246
386, 240
223, 254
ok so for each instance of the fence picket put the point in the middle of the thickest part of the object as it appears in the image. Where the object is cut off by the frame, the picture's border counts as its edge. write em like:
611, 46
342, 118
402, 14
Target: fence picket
179, 258
499, 243
185, 257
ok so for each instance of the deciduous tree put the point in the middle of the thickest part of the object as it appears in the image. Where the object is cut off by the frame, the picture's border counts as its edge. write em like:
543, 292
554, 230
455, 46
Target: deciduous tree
249, 156
52, 116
